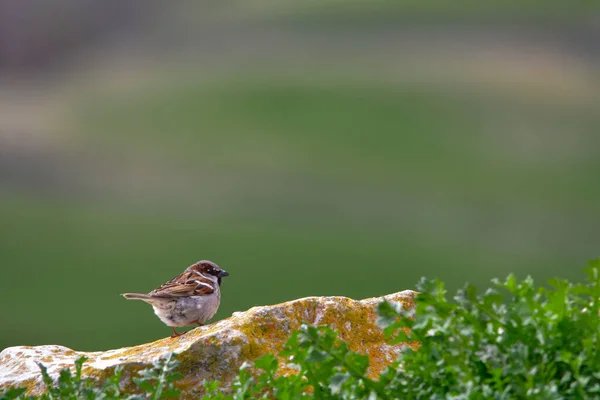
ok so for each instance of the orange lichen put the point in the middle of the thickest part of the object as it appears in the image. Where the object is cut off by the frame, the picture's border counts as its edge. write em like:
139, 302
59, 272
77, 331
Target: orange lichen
216, 352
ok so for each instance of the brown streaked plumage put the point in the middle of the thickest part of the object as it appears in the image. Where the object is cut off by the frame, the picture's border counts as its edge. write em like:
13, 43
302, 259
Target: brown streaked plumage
192, 297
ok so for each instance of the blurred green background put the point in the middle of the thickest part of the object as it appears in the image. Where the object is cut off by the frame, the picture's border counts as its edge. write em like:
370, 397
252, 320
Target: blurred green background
309, 149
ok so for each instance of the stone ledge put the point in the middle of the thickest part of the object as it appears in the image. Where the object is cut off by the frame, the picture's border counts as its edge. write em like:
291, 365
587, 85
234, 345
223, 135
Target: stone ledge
216, 351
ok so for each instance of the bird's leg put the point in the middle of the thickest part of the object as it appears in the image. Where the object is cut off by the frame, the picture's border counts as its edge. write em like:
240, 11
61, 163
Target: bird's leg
199, 323
175, 333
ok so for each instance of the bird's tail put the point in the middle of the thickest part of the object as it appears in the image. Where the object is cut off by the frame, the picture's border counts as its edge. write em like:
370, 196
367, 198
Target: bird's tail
136, 296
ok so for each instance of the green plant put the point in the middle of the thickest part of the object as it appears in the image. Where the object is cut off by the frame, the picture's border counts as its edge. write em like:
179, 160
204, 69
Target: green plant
323, 367
156, 383
71, 386
513, 341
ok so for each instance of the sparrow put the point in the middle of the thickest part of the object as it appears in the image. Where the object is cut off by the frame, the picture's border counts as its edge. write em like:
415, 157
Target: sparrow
190, 298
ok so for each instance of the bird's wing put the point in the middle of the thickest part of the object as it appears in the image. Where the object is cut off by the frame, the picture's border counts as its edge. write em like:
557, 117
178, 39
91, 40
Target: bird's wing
190, 283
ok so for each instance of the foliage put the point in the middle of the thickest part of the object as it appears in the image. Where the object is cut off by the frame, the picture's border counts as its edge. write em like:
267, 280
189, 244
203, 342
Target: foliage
321, 366
158, 382
513, 341
155, 383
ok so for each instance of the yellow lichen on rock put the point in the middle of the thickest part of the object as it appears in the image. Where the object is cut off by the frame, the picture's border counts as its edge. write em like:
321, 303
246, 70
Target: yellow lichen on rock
216, 351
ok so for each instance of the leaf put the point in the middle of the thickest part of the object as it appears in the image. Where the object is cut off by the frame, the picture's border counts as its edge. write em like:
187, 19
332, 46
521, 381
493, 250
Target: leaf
144, 385
173, 377
337, 380
64, 377
511, 283
316, 356
358, 362
398, 336
211, 386
268, 362
12, 393
471, 293
170, 393
45, 376
386, 314
595, 263
150, 373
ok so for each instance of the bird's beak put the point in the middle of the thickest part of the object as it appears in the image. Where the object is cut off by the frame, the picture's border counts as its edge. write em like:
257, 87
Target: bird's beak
223, 273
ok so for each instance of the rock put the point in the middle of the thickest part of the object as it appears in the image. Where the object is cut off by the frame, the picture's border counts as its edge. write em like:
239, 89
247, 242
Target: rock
216, 351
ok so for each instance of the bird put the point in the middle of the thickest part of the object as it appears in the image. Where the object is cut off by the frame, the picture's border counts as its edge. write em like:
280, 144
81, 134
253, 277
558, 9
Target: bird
193, 297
